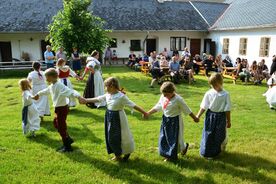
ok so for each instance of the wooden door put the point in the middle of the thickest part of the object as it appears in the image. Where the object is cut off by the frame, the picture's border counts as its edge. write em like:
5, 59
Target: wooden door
195, 47
151, 45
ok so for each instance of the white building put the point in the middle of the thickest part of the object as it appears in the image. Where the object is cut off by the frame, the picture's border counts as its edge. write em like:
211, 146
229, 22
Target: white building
243, 28
247, 29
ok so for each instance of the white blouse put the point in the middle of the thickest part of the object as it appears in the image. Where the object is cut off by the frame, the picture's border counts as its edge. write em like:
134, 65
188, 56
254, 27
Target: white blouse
93, 63
26, 98
172, 108
216, 101
60, 94
116, 102
36, 79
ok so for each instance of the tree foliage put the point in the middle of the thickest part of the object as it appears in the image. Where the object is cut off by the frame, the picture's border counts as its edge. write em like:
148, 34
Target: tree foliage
76, 26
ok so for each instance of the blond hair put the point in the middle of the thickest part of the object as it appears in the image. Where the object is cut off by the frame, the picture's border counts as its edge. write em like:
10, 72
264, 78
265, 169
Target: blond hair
24, 84
51, 72
215, 79
112, 82
167, 87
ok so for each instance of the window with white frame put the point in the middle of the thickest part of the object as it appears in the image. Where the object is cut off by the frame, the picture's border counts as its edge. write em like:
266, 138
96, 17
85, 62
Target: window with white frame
243, 46
225, 47
178, 43
264, 47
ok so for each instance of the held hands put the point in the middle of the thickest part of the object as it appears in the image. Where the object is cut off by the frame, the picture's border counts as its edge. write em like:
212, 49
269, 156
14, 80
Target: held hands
36, 97
196, 119
146, 115
82, 100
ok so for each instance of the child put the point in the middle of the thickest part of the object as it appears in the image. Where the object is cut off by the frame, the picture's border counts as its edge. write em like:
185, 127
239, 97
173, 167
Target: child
60, 94
217, 103
271, 92
64, 72
38, 81
118, 137
30, 114
171, 132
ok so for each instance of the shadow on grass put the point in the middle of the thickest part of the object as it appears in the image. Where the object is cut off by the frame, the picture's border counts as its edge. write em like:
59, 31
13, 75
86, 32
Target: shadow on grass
243, 166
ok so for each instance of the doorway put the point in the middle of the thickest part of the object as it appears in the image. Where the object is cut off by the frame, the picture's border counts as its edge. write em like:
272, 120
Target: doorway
5, 52
209, 47
195, 45
151, 46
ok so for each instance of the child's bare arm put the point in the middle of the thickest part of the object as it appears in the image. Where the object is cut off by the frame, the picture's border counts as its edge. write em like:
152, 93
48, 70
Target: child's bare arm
152, 111
200, 112
228, 119
92, 100
195, 118
141, 110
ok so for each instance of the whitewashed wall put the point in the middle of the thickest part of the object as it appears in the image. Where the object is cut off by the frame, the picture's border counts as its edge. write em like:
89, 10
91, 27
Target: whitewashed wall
253, 43
22, 43
162, 39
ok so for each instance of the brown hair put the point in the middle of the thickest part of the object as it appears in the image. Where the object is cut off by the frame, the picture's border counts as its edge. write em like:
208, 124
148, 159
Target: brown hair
60, 61
216, 78
24, 84
51, 72
167, 87
36, 65
94, 53
112, 81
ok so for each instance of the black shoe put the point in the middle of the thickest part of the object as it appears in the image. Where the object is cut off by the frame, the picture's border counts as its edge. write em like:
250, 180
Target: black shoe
126, 157
70, 140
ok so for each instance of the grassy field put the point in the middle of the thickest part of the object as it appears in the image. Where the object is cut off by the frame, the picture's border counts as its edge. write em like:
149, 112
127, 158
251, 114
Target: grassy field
250, 156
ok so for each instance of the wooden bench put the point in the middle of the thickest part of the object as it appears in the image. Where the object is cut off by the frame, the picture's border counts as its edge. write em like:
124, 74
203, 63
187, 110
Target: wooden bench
230, 73
19, 65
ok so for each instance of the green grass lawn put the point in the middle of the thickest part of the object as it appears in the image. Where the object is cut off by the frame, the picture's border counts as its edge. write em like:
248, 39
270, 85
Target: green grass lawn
250, 156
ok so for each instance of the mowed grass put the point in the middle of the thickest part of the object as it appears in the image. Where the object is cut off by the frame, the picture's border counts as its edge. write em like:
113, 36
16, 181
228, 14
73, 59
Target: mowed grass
250, 156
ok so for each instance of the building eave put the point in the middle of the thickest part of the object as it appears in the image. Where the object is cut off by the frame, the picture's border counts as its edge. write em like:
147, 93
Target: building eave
243, 28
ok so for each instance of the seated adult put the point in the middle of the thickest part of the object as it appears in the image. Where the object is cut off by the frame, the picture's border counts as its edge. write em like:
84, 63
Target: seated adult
243, 70
174, 69
155, 71
188, 71
227, 62
262, 71
197, 63
254, 72
219, 65
208, 65
131, 59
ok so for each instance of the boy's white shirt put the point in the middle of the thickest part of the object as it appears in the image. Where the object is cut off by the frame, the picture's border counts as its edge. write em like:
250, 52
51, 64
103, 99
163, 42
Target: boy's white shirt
216, 101
60, 94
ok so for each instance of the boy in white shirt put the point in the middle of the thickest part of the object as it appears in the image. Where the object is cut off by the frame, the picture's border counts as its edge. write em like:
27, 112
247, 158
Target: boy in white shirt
217, 103
60, 97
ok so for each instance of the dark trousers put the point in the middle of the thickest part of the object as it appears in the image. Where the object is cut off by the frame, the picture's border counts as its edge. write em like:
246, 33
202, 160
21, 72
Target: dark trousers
50, 65
207, 70
60, 121
196, 68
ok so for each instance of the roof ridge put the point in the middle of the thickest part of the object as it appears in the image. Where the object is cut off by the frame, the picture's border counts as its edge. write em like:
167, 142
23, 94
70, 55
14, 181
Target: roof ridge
220, 17
200, 14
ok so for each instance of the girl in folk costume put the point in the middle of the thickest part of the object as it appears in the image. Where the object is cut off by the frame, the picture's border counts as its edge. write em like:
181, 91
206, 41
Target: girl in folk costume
94, 85
171, 132
271, 92
64, 72
30, 114
217, 103
118, 137
38, 81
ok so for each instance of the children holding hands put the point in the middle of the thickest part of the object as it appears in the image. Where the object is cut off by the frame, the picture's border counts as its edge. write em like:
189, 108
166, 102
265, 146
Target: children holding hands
217, 103
171, 132
60, 97
118, 136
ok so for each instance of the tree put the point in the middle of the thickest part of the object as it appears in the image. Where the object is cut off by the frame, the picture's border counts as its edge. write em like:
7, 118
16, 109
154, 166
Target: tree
76, 26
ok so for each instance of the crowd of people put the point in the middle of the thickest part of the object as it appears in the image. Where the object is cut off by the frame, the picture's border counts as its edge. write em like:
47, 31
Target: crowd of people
184, 66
